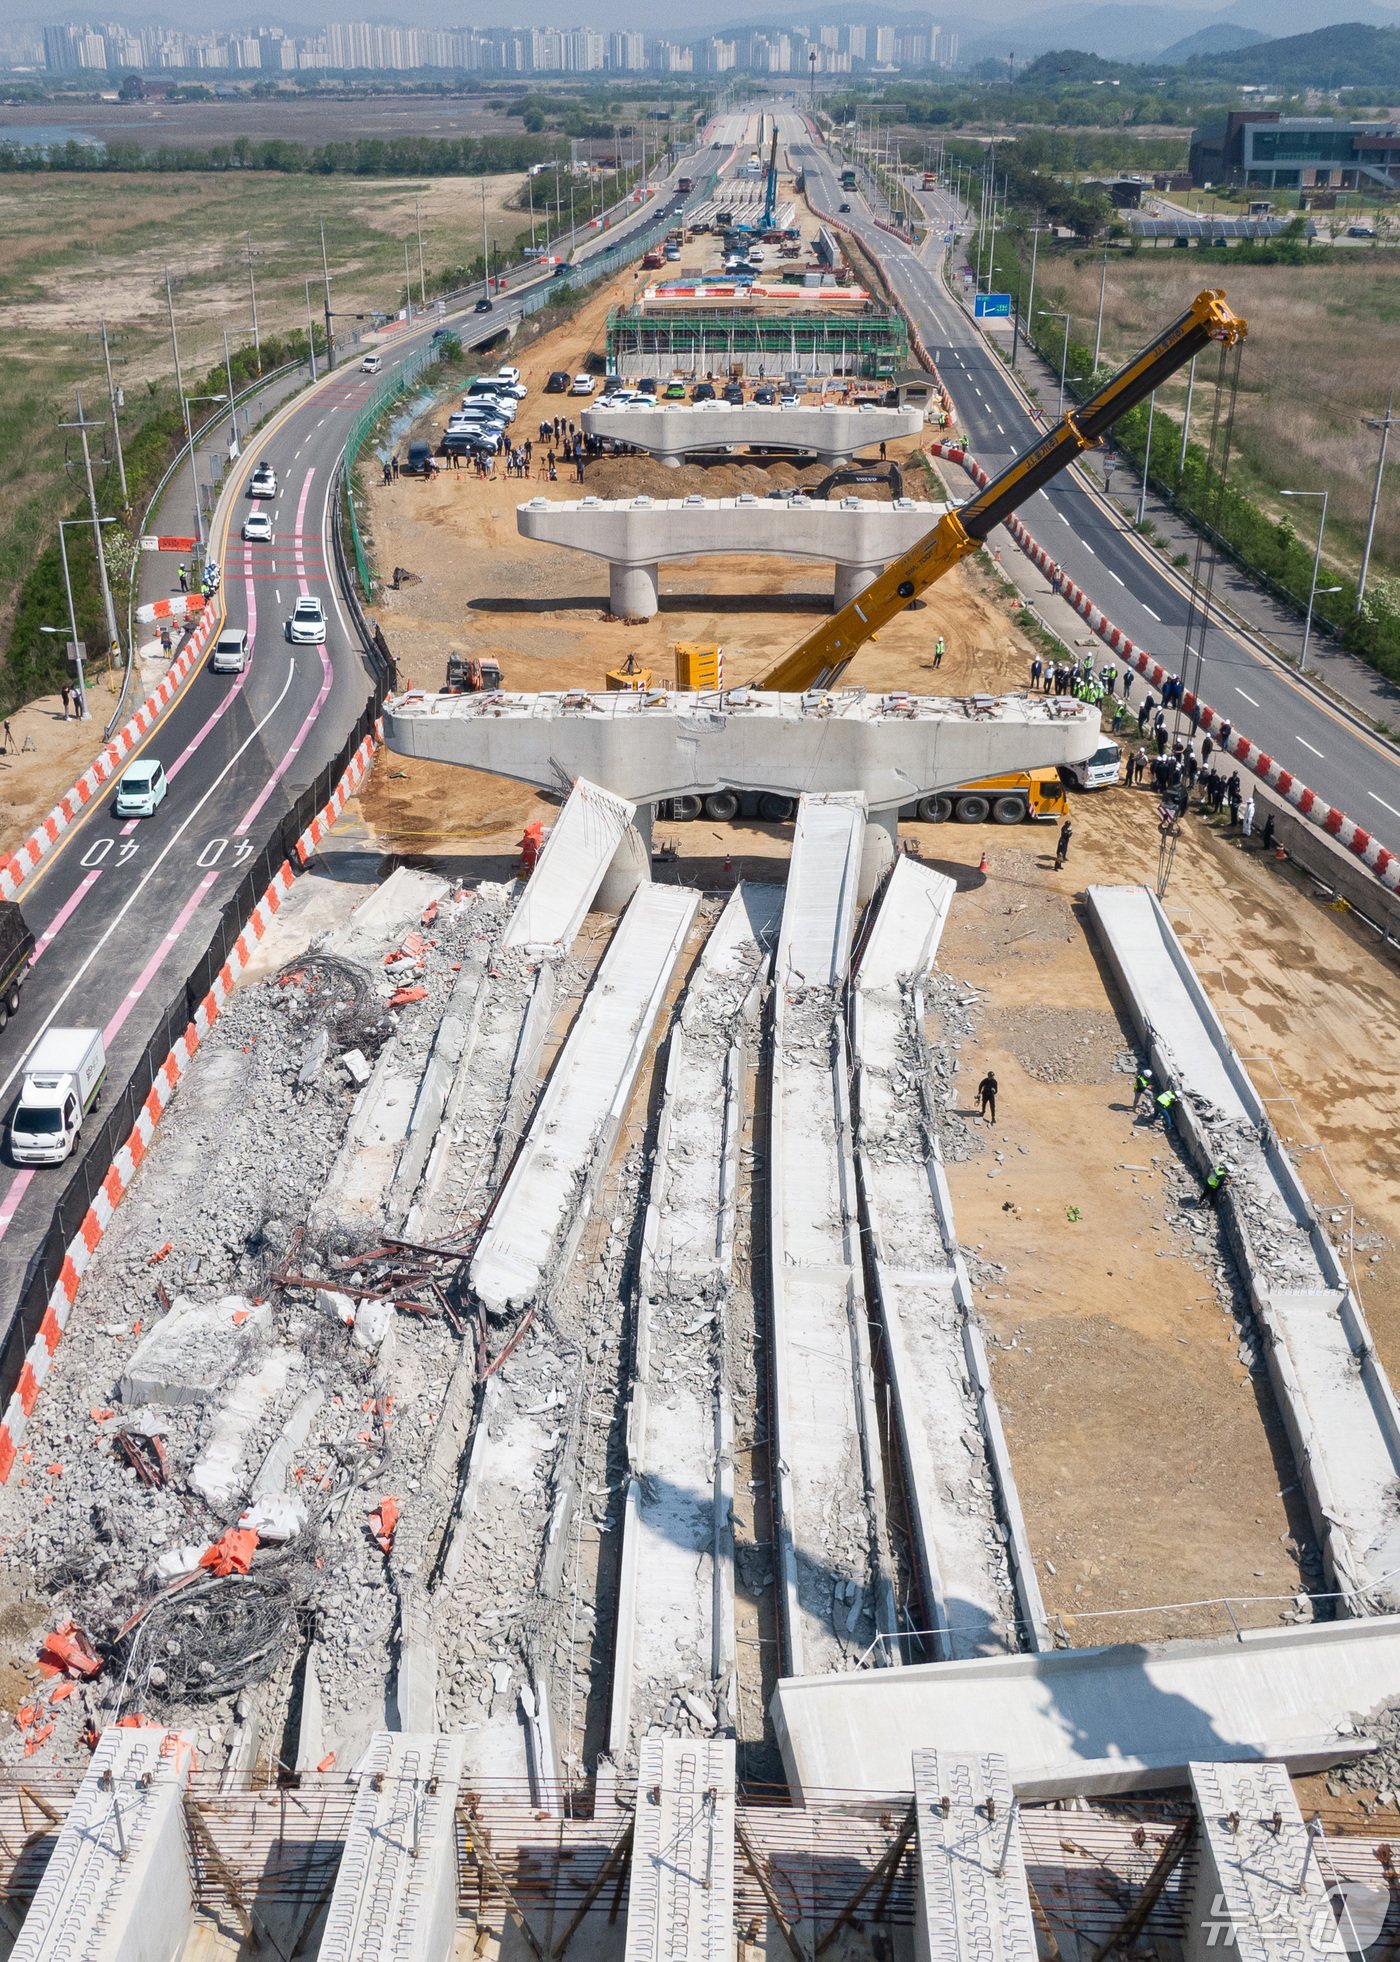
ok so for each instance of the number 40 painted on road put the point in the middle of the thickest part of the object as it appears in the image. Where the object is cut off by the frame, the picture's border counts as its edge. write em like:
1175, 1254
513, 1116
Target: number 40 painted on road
213, 853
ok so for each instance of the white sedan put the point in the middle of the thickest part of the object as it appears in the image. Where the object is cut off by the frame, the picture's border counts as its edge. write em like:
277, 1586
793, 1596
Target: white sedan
582, 385
308, 622
257, 528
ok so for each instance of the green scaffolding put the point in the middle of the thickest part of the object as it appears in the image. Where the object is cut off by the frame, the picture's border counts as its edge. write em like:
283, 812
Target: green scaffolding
713, 340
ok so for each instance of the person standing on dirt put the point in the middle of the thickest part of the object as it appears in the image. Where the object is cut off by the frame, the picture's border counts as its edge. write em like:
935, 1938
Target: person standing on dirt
1144, 1084
987, 1097
64, 693
939, 650
1247, 818
1037, 669
1062, 848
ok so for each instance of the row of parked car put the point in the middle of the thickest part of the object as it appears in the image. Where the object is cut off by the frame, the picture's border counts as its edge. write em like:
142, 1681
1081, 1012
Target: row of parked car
487, 411
648, 392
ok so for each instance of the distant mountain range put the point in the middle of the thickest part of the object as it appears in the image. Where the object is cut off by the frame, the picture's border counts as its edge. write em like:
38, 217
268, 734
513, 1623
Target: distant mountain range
1148, 32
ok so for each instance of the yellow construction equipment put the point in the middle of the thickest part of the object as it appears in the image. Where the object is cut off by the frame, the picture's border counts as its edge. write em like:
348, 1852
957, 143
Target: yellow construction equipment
819, 660
629, 677
697, 666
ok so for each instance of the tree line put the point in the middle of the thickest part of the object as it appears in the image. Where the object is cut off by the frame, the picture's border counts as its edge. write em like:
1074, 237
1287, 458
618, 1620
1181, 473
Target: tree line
366, 156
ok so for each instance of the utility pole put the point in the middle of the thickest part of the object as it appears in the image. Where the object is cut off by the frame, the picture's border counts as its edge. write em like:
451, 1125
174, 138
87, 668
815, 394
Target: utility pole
185, 410
485, 238
1098, 329
112, 404
232, 412
407, 287
326, 277
418, 218
1030, 300
1383, 423
1147, 457
1186, 419
310, 332
253, 298
82, 425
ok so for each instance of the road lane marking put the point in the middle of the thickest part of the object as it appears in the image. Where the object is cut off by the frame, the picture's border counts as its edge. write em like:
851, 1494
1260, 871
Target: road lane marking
1384, 806
1113, 575
1307, 745
1148, 610
9, 1205
64, 914
1249, 698
155, 867
163, 947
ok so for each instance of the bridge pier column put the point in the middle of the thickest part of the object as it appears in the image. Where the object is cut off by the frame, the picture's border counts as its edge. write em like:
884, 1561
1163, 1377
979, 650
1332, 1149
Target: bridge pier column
631, 864
634, 591
850, 580
879, 851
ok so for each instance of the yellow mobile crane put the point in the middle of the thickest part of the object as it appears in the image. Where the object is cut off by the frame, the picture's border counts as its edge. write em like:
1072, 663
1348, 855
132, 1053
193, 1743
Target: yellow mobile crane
819, 660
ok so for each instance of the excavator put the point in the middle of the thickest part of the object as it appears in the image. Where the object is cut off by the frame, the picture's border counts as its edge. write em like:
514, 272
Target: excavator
823, 657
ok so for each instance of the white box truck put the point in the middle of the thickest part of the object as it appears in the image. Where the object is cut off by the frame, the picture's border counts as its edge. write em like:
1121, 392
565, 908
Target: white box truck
63, 1075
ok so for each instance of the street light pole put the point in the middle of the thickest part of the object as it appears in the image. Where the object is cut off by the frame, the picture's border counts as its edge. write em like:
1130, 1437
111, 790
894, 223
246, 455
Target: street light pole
326, 277
1317, 566
407, 287
1098, 326
1383, 423
232, 411
1050, 314
82, 425
485, 240
422, 273
1147, 458
1036, 230
1186, 418
253, 298
310, 331
185, 410
116, 426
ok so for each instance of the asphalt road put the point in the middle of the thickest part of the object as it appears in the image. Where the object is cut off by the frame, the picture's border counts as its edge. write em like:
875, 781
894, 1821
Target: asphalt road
1097, 550
120, 911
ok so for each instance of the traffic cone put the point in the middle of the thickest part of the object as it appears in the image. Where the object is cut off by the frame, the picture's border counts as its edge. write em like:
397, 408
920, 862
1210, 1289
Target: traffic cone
984, 866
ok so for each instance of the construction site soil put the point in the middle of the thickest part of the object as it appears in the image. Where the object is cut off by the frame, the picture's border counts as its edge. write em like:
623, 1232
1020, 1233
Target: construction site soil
1149, 1457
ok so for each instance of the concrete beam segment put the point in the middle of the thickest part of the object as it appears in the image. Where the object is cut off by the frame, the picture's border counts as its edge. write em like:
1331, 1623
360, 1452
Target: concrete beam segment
546, 1200
974, 1905
680, 1904
1099, 1720
117, 1885
969, 1537
859, 535
833, 1550
893, 748
672, 430
1247, 1900
395, 1896
1336, 1399
577, 852
676, 1609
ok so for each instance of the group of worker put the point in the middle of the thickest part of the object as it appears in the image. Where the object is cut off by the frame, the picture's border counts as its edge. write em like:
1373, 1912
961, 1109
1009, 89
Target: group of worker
1162, 1102
1078, 680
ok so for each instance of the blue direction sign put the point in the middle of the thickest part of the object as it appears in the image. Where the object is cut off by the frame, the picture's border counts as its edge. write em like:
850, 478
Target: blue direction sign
992, 306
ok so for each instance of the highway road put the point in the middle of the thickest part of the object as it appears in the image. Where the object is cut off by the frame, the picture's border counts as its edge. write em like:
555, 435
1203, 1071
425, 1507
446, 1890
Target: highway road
120, 911
1096, 548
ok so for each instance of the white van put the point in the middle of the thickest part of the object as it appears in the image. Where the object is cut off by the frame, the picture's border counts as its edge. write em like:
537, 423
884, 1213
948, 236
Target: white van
1098, 772
231, 651
371, 364
63, 1076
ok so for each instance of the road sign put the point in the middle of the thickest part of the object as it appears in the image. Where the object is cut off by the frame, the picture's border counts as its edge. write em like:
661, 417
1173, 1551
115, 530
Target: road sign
992, 306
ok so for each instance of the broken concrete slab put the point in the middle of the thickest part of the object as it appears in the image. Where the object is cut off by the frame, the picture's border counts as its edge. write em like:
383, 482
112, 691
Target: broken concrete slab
190, 1353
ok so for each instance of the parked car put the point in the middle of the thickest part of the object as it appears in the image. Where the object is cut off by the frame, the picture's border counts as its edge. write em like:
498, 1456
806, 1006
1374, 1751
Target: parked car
647, 385
703, 392
789, 399
558, 383
141, 789
257, 528
765, 397
511, 375
734, 395
582, 385
263, 482
420, 459
308, 622
231, 652
675, 391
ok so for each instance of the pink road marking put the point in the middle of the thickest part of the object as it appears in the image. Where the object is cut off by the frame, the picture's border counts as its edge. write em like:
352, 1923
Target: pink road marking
148, 972
293, 751
64, 914
9, 1205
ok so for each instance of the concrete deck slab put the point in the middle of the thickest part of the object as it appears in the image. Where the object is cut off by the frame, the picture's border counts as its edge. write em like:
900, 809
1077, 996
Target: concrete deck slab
969, 1543
395, 1897
973, 1901
1335, 1397
673, 430
680, 1905
675, 1614
577, 852
1254, 1851
117, 1887
546, 1199
1098, 1720
893, 748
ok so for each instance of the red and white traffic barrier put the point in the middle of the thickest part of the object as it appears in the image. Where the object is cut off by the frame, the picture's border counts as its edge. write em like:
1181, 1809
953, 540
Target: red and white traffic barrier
17, 868
1384, 864
325, 819
39, 1362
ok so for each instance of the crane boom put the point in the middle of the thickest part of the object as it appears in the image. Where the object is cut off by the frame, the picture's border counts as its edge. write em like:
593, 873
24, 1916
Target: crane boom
819, 660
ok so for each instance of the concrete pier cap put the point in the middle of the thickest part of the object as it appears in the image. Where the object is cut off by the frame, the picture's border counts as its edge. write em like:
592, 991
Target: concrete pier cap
859, 535
892, 748
671, 431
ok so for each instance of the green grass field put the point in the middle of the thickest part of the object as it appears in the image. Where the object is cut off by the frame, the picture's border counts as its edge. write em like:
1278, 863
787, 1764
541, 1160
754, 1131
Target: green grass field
77, 249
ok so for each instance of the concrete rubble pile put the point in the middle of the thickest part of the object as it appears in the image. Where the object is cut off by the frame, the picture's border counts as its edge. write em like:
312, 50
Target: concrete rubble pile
211, 1406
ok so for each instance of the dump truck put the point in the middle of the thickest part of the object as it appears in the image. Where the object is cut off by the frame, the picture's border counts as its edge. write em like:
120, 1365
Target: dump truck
16, 953
63, 1077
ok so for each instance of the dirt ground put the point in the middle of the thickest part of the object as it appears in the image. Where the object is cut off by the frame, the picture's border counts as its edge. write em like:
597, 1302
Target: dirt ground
33, 779
1150, 1460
